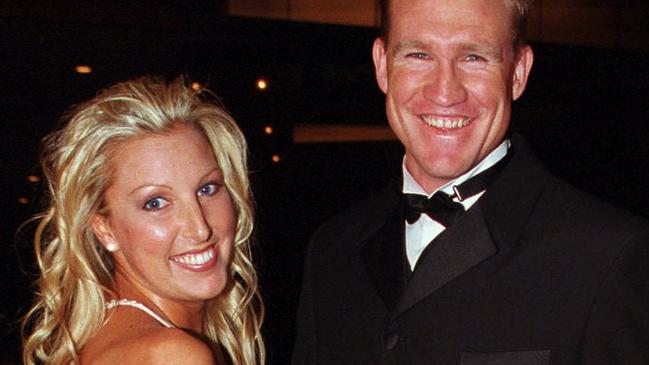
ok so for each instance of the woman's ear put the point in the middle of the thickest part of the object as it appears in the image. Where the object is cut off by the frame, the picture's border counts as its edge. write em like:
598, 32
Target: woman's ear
101, 228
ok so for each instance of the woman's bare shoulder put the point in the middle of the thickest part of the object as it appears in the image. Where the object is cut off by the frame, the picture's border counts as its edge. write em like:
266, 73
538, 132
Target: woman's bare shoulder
132, 337
154, 346
172, 346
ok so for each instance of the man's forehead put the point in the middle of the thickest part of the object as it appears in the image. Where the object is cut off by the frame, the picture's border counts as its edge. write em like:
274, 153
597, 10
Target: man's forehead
483, 11
509, 5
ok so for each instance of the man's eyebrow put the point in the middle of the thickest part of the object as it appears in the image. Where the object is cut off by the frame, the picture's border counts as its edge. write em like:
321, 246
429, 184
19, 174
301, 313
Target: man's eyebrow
400, 46
486, 48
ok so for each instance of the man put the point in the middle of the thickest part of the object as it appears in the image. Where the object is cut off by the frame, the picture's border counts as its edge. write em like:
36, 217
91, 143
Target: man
512, 266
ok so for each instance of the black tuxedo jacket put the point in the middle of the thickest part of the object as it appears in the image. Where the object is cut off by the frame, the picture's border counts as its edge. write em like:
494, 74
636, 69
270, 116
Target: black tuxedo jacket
536, 272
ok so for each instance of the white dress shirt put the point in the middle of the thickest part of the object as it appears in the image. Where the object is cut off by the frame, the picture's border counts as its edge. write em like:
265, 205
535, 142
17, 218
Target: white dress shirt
420, 233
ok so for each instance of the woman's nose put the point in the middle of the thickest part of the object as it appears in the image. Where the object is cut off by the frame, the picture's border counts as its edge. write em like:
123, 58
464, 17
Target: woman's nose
196, 227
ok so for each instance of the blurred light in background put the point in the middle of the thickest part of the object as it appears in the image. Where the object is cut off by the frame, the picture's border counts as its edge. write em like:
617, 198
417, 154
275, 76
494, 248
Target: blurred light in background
262, 84
196, 85
276, 158
268, 129
33, 178
23, 200
83, 69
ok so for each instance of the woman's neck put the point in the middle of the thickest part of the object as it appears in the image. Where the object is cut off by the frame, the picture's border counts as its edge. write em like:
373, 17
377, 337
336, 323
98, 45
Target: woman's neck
182, 314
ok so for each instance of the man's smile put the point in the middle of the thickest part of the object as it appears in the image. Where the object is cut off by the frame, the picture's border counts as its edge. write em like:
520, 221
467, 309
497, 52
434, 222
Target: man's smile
445, 122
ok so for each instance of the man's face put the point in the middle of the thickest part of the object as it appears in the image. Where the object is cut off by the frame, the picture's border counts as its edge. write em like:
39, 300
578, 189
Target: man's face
449, 73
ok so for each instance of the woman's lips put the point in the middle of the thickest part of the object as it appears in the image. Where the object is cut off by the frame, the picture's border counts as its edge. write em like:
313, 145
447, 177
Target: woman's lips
197, 260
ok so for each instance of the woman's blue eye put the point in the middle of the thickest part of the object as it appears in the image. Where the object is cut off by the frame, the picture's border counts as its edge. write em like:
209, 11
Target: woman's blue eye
155, 204
208, 190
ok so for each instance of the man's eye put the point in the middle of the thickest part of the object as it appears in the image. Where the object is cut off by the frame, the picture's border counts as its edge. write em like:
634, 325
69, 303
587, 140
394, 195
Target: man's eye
417, 55
156, 203
208, 190
474, 58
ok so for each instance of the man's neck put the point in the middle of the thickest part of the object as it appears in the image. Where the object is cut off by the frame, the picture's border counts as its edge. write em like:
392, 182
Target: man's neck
426, 185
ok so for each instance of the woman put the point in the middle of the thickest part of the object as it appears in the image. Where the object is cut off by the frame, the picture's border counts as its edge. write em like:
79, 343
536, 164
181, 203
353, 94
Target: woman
144, 250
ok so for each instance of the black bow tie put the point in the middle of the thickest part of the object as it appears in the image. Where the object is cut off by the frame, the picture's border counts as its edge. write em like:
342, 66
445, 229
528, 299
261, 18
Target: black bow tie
441, 207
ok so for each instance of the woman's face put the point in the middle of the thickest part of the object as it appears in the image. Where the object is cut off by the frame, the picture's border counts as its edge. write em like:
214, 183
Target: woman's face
169, 216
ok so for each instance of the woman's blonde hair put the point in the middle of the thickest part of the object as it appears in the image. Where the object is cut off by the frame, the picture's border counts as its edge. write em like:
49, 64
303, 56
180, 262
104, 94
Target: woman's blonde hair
77, 272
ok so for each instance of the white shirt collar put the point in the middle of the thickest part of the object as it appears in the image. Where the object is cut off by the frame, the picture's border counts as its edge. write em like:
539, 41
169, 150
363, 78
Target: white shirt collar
410, 186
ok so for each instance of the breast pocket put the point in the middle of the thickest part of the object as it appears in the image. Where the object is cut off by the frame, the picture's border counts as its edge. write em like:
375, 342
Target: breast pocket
506, 358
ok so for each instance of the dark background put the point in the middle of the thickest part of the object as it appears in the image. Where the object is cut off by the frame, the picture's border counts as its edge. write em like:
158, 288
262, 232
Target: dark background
585, 113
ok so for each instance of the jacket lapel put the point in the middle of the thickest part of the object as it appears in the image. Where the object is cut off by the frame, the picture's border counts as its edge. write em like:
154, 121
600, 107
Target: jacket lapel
383, 257
381, 245
510, 201
453, 252
494, 224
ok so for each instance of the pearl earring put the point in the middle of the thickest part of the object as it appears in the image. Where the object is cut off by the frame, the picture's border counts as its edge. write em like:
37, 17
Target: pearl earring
111, 247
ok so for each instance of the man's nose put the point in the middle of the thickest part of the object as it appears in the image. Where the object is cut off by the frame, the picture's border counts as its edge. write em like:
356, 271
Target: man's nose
195, 227
444, 86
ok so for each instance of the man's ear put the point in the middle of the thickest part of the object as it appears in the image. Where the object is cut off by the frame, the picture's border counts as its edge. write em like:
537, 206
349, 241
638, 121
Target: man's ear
380, 64
103, 232
522, 70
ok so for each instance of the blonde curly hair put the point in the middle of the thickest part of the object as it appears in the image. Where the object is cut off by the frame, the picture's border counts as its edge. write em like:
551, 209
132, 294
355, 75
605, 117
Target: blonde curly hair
76, 272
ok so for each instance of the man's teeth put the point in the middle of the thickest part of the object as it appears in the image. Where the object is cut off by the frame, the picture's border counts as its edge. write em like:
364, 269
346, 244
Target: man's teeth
446, 123
195, 259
